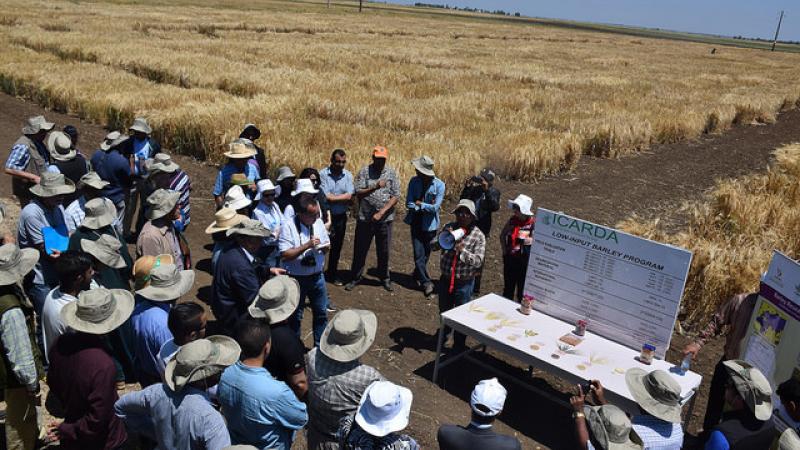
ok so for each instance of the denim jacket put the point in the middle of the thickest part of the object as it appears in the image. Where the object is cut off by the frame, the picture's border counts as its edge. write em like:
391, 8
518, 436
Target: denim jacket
428, 211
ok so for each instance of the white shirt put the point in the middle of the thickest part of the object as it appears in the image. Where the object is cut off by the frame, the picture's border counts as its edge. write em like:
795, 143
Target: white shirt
168, 350
291, 238
272, 218
74, 214
52, 325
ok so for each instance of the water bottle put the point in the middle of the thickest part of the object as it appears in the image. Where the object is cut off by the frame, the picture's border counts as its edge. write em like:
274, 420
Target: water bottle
687, 360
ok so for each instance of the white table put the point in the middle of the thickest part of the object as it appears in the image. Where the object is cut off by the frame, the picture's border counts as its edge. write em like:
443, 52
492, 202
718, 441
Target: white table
495, 322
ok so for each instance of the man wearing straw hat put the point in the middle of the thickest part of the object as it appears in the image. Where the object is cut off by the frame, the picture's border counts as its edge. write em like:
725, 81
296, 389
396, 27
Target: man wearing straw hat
166, 174
337, 380
150, 317
158, 236
238, 155
21, 368
259, 409
746, 422
178, 414
114, 168
224, 219
423, 200
89, 187
252, 133
88, 401
29, 157
66, 159
277, 300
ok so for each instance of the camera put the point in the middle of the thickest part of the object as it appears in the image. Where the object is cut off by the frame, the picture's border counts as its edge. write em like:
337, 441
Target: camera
308, 259
586, 387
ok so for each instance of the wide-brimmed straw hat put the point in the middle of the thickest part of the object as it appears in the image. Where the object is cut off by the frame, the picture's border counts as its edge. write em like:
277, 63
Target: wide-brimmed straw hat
752, 385
98, 311
524, 204
656, 392
52, 184
109, 139
284, 172
167, 283
789, 440
466, 203
224, 219
277, 299
163, 163
36, 124
252, 126
161, 202
249, 227
349, 335
424, 164
239, 150
240, 179
105, 249
59, 145
144, 265
235, 199
384, 408
612, 428
99, 212
304, 185
199, 360
92, 179
15, 263
140, 124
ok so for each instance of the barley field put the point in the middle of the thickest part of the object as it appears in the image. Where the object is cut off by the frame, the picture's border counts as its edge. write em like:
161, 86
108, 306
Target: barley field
524, 99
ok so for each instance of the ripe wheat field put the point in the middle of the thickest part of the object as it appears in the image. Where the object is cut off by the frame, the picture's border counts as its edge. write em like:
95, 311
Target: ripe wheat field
526, 100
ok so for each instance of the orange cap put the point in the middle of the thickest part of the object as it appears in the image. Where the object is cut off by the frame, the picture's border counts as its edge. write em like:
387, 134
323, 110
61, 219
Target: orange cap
380, 151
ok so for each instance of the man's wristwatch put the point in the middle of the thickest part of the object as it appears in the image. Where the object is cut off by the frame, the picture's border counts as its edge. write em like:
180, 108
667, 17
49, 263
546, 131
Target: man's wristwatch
578, 415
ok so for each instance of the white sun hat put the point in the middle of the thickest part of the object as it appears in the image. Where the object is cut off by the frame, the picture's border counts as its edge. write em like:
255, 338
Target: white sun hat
304, 185
524, 203
235, 198
384, 408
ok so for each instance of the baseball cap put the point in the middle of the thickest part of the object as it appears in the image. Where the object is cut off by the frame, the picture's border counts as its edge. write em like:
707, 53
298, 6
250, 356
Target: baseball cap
490, 395
380, 152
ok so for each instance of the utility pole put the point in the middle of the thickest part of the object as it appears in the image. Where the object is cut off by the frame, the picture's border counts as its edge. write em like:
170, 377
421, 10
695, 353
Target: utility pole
359, 5
775, 41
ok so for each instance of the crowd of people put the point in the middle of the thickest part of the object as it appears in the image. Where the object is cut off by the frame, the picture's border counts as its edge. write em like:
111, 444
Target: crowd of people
79, 310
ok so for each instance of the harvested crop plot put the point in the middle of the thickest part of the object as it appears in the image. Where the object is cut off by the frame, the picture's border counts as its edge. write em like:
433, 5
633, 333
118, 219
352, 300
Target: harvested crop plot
526, 100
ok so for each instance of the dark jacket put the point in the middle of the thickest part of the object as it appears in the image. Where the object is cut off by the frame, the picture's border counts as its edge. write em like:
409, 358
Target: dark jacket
236, 283
109, 277
113, 167
73, 170
486, 203
743, 431
454, 437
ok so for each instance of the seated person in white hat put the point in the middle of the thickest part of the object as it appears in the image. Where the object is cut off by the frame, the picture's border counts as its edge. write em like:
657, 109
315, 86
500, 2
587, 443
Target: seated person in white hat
29, 157
238, 155
746, 423
337, 380
487, 402
166, 174
20, 385
89, 187
259, 409
516, 239
150, 317
611, 429
88, 401
177, 413
276, 302
158, 236
382, 413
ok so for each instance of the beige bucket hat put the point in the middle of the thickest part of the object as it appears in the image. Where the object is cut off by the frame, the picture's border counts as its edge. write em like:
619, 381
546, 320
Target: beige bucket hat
656, 392
98, 311
167, 283
465, 203
249, 227
284, 172
276, 300
52, 185
424, 164
789, 440
93, 180
224, 219
109, 139
240, 150
349, 335
35, 124
161, 202
144, 265
163, 163
752, 385
105, 249
60, 146
15, 263
140, 124
100, 212
612, 428
199, 360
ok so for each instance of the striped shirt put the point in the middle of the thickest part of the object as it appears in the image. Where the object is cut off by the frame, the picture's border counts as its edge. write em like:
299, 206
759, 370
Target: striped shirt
17, 343
180, 182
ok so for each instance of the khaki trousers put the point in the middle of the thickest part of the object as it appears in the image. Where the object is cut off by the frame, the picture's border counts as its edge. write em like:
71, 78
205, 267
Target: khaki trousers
21, 426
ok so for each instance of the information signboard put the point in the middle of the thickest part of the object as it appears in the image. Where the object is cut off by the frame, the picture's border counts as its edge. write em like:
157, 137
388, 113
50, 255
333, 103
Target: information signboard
628, 288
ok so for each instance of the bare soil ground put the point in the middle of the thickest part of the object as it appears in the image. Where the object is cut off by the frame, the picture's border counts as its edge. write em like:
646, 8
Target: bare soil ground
650, 184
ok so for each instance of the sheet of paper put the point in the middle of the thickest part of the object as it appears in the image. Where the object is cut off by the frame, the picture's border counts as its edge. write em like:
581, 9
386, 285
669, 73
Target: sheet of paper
761, 354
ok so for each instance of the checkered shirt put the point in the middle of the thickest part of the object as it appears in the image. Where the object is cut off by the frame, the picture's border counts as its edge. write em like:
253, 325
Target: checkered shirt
657, 434
18, 158
334, 391
470, 260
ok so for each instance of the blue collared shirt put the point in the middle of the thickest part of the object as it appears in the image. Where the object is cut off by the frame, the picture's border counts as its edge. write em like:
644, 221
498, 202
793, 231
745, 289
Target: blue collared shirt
272, 218
223, 181
185, 420
32, 220
259, 409
428, 211
337, 185
150, 331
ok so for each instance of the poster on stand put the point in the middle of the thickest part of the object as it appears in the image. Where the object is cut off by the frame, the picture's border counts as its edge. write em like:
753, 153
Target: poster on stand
627, 288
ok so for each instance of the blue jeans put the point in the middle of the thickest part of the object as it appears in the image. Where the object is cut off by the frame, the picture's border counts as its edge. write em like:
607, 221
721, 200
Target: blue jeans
421, 242
313, 288
462, 293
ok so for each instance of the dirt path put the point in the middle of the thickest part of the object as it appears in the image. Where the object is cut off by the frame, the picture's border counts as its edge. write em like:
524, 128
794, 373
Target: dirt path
603, 191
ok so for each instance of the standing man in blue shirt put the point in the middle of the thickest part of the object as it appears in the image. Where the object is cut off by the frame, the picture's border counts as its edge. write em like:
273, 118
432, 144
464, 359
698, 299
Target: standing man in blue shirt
337, 184
114, 169
238, 155
423, 200
140, 149
260, 410
29, 158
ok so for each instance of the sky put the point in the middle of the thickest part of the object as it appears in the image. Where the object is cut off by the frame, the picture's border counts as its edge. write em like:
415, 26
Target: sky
748, 18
